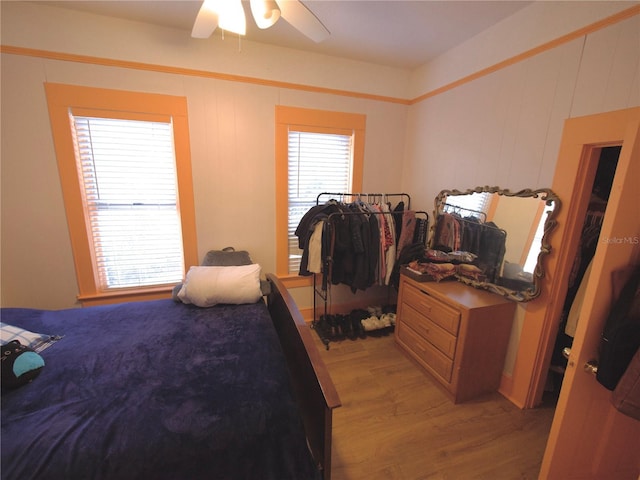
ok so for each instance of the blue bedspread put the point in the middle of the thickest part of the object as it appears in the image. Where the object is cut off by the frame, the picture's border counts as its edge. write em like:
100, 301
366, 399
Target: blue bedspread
154, 390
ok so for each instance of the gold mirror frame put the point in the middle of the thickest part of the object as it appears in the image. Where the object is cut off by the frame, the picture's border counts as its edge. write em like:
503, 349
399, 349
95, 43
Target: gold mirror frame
546, 195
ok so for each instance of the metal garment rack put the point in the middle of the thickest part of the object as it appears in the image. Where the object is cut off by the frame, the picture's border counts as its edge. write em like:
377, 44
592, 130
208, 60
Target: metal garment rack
371, 197
483, 225
321, 289
456, 210
448, 208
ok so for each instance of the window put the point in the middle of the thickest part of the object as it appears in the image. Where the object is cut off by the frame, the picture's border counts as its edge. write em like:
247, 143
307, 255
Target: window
316, 151
476, 202
129, 180
126, 177
318, 162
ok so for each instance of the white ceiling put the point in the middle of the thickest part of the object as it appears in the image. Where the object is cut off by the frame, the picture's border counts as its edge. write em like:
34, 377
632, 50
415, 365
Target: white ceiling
396, 33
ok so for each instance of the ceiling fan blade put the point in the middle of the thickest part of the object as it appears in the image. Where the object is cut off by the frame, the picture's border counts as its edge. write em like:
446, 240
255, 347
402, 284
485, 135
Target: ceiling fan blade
303, 19
265, 12
206, 21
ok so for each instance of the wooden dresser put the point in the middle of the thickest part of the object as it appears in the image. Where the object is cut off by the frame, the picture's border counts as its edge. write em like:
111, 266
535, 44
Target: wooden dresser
456, 333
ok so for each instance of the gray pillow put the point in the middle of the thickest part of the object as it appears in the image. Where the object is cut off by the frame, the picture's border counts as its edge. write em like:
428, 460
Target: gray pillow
227, 257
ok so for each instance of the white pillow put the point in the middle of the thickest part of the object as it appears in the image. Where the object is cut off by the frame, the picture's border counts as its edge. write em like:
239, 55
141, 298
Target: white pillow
209, 286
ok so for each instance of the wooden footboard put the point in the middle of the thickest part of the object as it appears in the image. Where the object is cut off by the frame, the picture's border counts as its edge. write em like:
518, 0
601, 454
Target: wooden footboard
311, 383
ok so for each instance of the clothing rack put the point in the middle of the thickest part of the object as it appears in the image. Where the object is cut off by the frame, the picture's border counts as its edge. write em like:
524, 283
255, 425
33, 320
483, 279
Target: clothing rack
322, 287
332, 217
449, 208
370, 196
490, 259
460, 218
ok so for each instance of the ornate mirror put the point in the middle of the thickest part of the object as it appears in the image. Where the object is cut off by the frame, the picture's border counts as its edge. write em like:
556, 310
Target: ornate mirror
507, 234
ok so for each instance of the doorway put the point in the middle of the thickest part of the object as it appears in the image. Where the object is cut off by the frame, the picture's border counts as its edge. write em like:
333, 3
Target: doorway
589, 438
588, 242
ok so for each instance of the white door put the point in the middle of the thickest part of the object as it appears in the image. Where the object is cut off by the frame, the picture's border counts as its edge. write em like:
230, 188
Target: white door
589, 438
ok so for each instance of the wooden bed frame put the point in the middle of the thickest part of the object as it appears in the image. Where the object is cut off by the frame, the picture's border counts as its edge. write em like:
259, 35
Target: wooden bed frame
312, 386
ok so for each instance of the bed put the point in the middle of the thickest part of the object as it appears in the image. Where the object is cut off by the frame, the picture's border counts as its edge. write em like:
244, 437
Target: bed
169, 390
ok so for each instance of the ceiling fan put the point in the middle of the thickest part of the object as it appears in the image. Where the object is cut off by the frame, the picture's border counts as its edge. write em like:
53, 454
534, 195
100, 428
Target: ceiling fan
229, 15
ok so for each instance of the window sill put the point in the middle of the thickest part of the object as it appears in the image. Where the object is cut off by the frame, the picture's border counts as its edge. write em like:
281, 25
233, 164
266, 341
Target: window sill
295, 281
128, 295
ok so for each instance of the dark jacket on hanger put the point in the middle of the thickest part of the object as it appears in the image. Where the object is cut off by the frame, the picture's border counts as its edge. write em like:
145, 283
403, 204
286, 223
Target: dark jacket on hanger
355, 248
447, 234
470, 237
306, 227
493, 245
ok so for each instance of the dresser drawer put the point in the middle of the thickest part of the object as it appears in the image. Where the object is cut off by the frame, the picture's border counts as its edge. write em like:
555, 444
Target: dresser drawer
438, 312
440, 338
424, 352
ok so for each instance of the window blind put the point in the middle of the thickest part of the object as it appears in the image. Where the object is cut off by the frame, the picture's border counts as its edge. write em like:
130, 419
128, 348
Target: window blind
128, 173
318, 162
477, 201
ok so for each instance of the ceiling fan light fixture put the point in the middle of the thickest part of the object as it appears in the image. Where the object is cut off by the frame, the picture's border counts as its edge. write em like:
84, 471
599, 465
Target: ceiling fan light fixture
231, 16
265, 13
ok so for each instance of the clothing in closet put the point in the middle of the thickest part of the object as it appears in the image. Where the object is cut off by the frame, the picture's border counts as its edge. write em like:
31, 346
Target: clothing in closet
580, 269
577, 281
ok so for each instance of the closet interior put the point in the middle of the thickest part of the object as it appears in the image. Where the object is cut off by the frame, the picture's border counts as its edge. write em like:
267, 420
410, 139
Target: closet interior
358, 240
581, 266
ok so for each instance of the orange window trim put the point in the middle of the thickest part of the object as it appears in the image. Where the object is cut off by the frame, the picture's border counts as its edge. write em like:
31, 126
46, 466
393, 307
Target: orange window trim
309, 120
130, 105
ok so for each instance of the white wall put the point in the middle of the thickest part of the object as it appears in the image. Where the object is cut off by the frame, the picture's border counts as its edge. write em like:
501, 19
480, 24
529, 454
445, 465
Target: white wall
231, 128
537, 24
501, 129
505, 128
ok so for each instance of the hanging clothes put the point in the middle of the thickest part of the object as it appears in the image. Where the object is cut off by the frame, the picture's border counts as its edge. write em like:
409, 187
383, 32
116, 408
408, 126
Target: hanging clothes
391, 252
579, 271
626, 395
305, 230
471, 234
493, 246
486, 241
355, 243
315, 248
408, 230
421, 231
447, 234
576, 305
366, 244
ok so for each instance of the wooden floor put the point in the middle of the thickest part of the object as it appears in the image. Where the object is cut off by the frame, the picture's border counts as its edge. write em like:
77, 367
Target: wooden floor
396, 424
